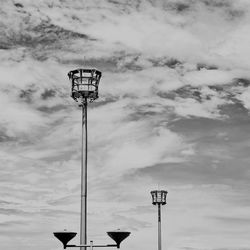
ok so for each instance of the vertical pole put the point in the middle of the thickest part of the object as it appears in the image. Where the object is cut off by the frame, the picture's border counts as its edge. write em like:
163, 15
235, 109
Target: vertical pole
159, 226
91, 245
83, 224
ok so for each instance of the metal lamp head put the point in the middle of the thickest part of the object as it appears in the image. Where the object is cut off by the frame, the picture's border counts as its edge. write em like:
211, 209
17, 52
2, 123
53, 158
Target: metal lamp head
118, 236
65, 237
159, 197
84, 84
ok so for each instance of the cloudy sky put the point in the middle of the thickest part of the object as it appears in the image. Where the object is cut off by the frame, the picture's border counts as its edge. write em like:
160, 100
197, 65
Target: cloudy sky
173, 114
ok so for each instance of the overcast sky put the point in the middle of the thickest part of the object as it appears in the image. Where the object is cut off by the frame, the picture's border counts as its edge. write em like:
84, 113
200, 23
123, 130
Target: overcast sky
173, 114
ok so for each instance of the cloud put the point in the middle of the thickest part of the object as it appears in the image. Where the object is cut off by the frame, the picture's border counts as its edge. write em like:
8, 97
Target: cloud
244, 97
173, 112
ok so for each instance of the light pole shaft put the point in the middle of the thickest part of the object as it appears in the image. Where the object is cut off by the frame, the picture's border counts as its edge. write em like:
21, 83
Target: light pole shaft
84, 159
159, 226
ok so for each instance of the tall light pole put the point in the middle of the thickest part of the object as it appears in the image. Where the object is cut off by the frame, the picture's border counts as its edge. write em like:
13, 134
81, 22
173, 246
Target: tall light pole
159, 198
84, 89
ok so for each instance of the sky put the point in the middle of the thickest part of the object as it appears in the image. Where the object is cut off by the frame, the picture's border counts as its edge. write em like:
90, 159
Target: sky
172, 114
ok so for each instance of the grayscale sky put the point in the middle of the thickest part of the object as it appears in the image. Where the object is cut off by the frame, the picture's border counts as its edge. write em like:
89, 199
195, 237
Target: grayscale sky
173, 114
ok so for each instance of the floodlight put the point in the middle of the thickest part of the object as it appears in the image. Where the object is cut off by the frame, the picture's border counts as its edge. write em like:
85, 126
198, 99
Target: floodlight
84, 84
65, 237
118, 236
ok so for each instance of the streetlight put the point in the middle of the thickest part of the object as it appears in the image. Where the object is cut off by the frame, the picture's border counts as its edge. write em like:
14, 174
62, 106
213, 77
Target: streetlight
84, 89
159, 198
118, 236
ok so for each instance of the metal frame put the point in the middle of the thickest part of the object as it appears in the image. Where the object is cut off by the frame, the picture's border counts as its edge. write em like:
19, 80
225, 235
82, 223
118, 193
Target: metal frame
159, 197
84, 84
91, 245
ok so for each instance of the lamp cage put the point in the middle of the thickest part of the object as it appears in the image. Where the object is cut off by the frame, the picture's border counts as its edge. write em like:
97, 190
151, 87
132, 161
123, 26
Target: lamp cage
159, 197
85, 84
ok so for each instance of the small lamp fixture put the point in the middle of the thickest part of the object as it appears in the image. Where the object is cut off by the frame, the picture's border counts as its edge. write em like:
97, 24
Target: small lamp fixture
118, 236
159, 197
84, 84
65, 237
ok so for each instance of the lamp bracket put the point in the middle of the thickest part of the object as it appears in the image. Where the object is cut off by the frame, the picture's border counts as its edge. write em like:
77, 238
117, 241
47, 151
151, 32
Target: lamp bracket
109, 245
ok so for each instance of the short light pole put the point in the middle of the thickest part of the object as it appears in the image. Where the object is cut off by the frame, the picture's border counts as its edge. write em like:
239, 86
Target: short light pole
159, 198
118, 236
84, 89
